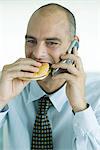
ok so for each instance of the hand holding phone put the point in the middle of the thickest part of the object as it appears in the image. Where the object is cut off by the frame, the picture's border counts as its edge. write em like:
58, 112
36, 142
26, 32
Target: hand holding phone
74, 43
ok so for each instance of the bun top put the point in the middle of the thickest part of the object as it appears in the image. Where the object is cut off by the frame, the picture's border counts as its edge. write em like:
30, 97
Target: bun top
43, 70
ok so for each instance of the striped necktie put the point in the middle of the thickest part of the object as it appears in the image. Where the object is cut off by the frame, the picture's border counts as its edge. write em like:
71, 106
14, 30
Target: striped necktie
42, 133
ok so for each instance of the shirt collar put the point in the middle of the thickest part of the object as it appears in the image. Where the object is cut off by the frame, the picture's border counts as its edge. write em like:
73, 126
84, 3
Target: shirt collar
58, 98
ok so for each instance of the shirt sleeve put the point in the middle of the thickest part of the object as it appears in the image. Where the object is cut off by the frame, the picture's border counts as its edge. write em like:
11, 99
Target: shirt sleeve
3, 113
87, 130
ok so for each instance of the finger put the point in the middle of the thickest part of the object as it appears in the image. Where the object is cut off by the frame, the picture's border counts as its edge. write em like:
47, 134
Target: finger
66, 76
80, 65
19, 74
28, 61
21, 61
24, 68
76, 59
68, 68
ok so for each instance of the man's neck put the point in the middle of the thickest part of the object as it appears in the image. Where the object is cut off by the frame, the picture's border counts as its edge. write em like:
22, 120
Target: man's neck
51, 86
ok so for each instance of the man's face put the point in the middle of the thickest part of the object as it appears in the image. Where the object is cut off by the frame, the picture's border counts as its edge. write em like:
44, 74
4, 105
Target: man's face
48, 37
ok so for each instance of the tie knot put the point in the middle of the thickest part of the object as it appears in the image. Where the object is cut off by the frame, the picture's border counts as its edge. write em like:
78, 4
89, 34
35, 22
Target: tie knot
44, 104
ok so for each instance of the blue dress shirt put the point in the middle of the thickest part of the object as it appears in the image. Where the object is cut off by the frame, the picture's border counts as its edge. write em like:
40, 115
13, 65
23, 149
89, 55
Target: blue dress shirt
70, 132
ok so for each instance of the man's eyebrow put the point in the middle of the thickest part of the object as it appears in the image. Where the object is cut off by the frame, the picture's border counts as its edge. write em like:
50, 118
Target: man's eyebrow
54, 39
29, 37
47, 39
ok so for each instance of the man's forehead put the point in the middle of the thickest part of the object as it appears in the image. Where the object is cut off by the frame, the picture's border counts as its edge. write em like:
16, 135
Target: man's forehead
45, 29
48, 21
48, 13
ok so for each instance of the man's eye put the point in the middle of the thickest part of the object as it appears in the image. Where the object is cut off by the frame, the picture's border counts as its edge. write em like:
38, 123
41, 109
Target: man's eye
31, 43
52, 43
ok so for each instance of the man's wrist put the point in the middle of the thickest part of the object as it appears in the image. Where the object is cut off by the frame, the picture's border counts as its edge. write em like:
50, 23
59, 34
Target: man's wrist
80, 107
81, 110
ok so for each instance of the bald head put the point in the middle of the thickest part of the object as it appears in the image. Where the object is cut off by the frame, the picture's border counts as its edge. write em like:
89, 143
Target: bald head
52, 9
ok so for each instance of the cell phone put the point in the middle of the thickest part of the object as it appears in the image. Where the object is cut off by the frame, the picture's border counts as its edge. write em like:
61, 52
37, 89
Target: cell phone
74, 43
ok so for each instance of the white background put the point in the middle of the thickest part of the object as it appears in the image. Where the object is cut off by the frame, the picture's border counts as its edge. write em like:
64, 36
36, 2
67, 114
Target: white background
14, 16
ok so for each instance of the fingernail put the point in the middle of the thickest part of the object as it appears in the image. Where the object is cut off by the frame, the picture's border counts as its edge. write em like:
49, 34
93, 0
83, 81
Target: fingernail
39, 64
36, 69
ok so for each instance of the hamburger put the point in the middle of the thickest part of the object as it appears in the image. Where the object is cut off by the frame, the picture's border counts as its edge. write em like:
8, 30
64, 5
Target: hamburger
43, 72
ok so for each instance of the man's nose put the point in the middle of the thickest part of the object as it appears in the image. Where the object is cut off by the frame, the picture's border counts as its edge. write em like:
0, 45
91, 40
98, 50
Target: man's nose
40, 51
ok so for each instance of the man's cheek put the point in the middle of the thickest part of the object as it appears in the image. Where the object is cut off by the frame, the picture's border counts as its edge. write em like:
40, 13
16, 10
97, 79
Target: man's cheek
28, 53
56, 57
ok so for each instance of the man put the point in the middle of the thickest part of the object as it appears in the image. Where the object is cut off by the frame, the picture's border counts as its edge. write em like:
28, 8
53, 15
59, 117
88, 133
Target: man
73, 116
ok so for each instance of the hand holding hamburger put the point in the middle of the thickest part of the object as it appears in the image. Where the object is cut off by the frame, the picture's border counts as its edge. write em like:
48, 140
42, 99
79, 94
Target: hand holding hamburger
15, 76
43, 72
